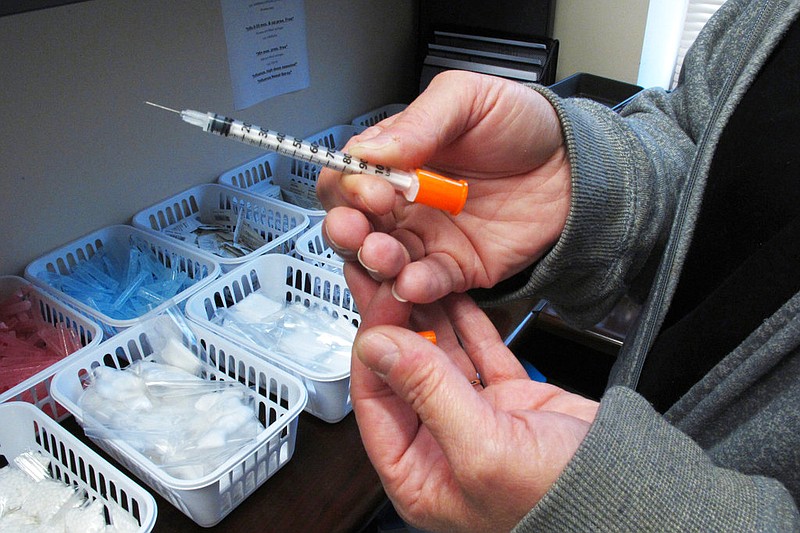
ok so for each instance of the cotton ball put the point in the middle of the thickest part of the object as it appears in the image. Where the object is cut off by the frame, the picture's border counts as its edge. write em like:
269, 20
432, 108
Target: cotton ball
213, 438
17, 522
117, 385
111, 389
154, 372
157, 448
234, 419
101, 410
176, 354
47, 499
207, 402
120, 519
218, 401
232, 398
15, 486
86, 519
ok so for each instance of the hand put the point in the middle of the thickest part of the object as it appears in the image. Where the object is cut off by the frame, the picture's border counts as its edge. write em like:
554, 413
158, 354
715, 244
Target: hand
504, 139
453, 456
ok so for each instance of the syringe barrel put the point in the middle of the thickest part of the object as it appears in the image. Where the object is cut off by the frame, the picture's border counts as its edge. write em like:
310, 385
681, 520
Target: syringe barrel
218, 124
303, 150
420, 186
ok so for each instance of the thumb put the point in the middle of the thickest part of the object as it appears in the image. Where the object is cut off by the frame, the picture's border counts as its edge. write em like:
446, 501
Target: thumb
402, 143
413, 137
423, 376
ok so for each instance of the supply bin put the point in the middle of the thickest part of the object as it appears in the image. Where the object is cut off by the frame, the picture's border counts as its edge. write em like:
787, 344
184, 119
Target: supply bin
612, 93
256, 225
376, 115
285, 279
36, 388
313, 248
25, 429
277, 400
296, 179
116, 243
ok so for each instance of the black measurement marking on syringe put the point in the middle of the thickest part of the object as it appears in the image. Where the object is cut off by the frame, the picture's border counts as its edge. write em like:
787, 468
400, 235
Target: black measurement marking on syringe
220, 125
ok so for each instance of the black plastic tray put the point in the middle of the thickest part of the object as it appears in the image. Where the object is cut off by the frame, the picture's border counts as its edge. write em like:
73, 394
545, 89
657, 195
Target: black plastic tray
613, 93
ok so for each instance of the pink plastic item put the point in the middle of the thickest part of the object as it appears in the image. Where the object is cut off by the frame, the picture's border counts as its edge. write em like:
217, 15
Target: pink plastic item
27, 343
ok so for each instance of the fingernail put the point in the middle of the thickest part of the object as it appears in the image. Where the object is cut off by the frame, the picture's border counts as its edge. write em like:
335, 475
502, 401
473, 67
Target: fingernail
367, 134
327, 238
397, 296
368, 269
377, 351
376, 142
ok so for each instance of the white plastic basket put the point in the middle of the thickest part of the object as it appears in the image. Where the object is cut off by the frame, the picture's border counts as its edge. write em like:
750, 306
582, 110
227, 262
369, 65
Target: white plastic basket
290, 174
36, 389
376, 115
278, 400
116, 240
277, 222
23, 428
313, 248
286, 279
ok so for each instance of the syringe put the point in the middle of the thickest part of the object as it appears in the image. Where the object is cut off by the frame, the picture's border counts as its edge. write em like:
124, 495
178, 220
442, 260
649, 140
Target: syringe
421, 186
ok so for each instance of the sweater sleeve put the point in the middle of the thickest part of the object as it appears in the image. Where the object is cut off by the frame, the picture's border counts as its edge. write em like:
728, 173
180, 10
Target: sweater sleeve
629, 171
626, 176
635, 472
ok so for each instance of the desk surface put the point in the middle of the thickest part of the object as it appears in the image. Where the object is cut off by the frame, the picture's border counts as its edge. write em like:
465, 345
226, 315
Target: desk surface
329, 484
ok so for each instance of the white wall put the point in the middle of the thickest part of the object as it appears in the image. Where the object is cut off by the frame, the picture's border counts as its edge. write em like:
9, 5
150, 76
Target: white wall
80, 150
602, 37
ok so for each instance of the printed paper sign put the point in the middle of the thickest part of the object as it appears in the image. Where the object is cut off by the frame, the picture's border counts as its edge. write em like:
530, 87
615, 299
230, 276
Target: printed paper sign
267, 50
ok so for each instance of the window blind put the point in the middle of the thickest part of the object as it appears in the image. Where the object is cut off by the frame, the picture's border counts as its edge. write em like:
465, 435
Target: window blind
697, 14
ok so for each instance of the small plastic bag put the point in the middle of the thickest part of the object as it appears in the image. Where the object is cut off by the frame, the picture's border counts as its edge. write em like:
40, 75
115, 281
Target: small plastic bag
171, 340
164, 408
306, 335
31, 499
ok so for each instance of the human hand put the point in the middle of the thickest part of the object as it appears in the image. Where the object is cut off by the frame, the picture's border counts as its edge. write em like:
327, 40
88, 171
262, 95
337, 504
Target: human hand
504, 139
453, 456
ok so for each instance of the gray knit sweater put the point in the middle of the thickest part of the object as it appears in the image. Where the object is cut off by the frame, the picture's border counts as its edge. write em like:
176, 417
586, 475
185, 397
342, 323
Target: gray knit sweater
726, 457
